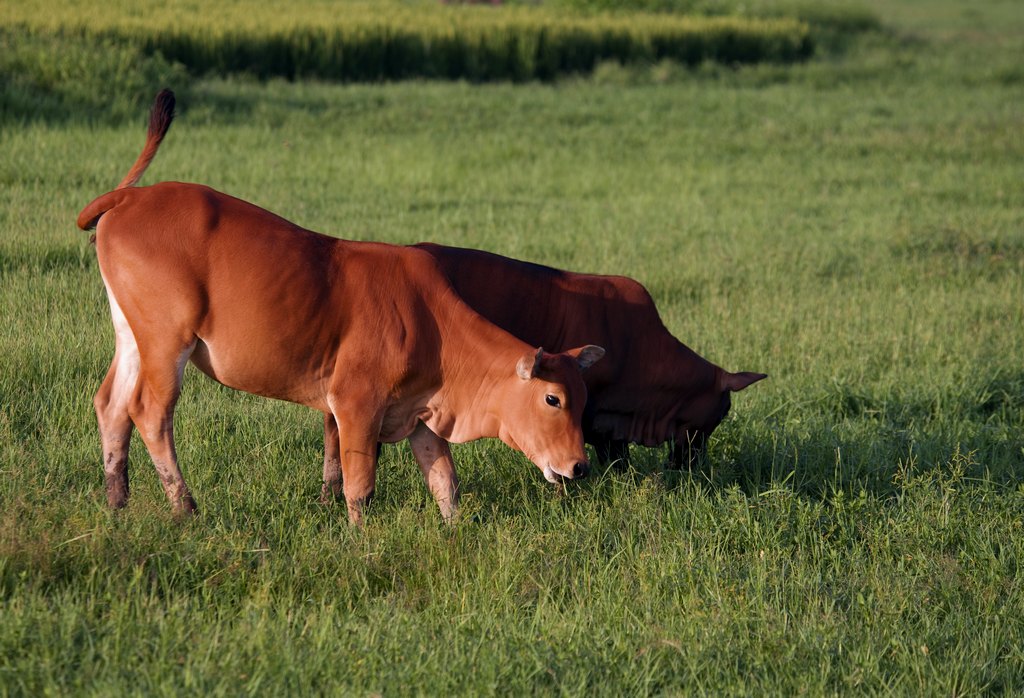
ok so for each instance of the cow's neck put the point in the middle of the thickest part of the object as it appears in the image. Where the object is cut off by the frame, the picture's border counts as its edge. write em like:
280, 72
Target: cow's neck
479, 361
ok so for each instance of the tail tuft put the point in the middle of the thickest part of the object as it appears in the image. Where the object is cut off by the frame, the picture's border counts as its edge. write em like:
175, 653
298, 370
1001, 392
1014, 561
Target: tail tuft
161, 114
160, 117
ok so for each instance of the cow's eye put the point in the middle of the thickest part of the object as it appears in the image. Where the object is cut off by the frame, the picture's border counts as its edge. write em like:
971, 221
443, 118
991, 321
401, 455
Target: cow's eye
552, 400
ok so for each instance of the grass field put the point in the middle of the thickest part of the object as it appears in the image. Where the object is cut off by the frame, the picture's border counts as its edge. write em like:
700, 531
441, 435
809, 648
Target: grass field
852, 226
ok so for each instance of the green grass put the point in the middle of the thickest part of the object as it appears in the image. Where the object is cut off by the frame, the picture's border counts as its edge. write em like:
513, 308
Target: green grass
853, 226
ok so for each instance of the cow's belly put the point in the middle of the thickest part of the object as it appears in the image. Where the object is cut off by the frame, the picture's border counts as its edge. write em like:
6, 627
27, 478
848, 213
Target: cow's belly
293, 376
401, 420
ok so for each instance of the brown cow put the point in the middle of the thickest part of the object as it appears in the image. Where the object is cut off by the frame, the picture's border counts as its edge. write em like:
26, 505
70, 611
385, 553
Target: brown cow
368, 333
650, 388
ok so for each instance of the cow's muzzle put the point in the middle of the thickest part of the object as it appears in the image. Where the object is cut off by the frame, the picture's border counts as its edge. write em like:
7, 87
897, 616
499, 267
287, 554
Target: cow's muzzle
578, 470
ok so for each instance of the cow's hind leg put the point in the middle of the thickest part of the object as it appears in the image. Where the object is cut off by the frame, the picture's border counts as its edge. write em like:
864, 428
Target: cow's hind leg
331, 489
435, 460
111, 403
152, 410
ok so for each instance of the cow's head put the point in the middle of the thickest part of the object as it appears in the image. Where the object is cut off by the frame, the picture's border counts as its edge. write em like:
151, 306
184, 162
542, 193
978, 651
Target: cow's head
543, 409
698, 419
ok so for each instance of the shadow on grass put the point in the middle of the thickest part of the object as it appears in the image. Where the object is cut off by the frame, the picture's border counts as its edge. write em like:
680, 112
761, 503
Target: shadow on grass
46, 259
852, 440
70, 79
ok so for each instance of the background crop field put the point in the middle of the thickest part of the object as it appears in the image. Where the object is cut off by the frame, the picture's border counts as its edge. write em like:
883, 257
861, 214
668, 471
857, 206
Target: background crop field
852, 226
392, 40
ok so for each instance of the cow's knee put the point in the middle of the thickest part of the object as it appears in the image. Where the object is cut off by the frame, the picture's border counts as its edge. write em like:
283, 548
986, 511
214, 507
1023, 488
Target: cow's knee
611, 451
359, 476
358, 501
331, 489
688, 451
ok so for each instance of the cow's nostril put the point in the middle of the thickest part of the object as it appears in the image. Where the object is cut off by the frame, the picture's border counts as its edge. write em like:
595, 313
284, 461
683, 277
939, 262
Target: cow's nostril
580, 470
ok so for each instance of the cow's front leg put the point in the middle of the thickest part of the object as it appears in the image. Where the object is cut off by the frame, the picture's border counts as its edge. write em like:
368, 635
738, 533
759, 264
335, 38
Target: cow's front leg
115, 424
357, 445
434, 456
152, 409
331, 489
611, 451
688, 450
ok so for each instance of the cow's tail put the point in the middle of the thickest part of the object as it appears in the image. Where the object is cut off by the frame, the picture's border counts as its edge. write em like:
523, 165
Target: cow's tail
160, 117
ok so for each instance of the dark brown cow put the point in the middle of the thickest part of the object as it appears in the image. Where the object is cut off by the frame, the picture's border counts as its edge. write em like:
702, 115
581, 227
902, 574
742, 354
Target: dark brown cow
649, 389
371, 334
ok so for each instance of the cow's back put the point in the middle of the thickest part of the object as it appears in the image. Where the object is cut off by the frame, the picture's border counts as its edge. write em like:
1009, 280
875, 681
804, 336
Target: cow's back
556, 309
275, 308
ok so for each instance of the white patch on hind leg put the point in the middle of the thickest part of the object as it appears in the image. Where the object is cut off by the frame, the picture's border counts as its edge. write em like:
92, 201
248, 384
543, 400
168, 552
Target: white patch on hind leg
126, 351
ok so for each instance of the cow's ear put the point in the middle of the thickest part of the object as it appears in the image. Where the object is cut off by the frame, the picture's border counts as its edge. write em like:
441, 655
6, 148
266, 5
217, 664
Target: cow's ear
586, 356
734, 382
529, 363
